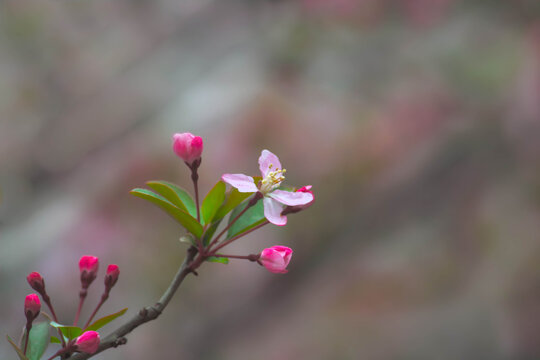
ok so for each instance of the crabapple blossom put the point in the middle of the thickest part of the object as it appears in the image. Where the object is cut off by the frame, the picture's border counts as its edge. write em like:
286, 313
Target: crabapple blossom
272, 176
88, 342
112, 276
36, 282
188, 147
276, 258
32, 307
88, 266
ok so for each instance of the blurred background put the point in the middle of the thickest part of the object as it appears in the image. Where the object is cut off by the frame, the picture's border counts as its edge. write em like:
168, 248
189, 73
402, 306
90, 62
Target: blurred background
416, 121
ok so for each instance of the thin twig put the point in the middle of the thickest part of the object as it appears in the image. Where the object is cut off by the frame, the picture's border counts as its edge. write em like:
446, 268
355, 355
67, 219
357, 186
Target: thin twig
212, 252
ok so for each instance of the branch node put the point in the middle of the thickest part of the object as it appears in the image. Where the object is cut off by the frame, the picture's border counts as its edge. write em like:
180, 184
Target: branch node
120, 341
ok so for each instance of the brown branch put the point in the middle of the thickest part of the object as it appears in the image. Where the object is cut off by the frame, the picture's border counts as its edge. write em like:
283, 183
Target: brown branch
117, 337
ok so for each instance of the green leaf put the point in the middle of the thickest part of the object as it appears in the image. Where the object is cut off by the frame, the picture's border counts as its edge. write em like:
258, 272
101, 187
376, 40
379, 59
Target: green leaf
98, 324
233, 199
55, 340
217, 259
71, 332
38, 340
186, 220
176, 195
212, 202
252, 217
210, 232
19, 351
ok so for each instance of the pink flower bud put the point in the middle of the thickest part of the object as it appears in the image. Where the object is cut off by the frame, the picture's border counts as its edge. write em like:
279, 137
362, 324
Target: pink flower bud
89, 266
188, 147
112, 276
297, 208
276, 258
36, 282
32, 306
88, 342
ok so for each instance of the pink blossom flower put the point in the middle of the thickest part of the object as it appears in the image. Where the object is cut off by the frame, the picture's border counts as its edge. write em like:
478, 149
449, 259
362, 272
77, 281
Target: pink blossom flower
88, 342
188, 147
36, 282
276, 258
32, 306
274, 200
88, 266
112, 276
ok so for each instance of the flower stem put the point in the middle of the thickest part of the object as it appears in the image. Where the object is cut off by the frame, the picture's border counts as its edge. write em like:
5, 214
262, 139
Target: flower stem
82, 296
251, 203
225, 243
104, 298
28, 327
47, 301
251, 257
195, 178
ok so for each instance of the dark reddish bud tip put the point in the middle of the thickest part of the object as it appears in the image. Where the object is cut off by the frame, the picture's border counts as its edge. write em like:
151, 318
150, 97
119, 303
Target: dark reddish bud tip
112, 276
88, 266
36, 282
32, 307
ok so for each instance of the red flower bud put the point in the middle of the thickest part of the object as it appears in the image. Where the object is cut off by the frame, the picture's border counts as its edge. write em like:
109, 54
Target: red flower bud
188, 147
111, 277
32, 307
36, 282
88, 266
88, 342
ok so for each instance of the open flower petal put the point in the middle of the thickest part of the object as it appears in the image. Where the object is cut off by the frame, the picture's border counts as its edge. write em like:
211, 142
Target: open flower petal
242, 182
291, 198
265, 160
272, 212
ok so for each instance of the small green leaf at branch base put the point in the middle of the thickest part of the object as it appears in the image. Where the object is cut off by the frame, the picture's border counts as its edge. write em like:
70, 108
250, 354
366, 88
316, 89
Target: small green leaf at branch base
222, 260
38, 340
55, 340
16, 348
212, 202
99, 323
71, 332
185, 219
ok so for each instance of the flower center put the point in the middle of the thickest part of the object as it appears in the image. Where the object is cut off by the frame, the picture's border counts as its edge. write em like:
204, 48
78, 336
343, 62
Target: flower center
272, 180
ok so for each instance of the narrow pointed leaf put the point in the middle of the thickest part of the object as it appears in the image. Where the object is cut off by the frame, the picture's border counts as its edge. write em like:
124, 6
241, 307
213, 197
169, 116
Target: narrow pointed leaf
99, 323
213, 201
16, 348
168, 193
185, 219
222, 260
71, 332
55, 340
179, 192
38, 340
252, 217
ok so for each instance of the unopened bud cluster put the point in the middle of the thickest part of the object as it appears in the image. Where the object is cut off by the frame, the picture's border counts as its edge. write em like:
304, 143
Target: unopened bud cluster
88, 341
